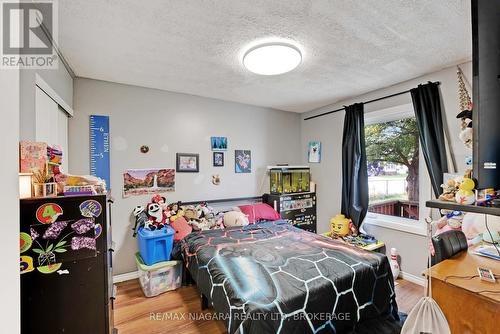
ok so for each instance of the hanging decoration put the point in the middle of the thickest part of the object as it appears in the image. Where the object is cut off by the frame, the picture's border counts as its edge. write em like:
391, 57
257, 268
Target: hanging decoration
465, 106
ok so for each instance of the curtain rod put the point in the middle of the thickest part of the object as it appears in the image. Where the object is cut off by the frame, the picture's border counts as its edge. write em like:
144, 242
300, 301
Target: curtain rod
369, 101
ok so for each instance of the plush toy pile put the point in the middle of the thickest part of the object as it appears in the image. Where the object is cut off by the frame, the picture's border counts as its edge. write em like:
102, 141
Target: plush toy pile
184, 219
157, 214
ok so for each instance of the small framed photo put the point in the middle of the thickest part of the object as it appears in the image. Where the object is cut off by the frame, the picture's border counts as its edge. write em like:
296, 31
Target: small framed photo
218, 143
188, 163
242, 161
314, 151
218, 159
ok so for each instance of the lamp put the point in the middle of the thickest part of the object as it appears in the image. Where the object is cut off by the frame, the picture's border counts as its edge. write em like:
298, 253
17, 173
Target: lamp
272, 58
25, 185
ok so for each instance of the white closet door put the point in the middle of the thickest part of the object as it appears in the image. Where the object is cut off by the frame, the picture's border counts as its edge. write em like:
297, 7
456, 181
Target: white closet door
62, 136
46, 111
51, 124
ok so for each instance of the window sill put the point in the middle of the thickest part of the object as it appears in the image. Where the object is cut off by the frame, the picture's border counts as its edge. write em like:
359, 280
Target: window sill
396, 223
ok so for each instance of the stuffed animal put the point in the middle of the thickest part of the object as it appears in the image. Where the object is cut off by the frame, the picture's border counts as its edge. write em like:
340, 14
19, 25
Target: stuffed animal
174, 211
202, 225
451, 219
466, 133
161, 201
449, 190
235, 218
190, 213
466, 137
141, 220
156, 216
465, 195
181, 227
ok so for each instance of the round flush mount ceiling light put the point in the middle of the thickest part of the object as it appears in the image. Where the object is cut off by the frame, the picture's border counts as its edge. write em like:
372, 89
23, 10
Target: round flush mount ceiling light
272, 58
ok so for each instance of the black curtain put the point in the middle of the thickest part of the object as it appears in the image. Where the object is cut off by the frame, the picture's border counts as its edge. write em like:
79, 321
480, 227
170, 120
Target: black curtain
427, 106
354, 169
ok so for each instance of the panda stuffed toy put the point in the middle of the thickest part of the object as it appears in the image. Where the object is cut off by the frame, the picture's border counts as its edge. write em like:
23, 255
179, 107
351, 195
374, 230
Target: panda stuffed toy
156, 216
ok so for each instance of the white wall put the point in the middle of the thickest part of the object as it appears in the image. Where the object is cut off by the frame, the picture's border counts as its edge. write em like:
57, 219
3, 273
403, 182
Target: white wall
58, 79
9, 199
169, 123
328, 174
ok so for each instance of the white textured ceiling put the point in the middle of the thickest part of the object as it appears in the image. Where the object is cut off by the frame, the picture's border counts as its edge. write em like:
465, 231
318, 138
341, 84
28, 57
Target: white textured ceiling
195, 46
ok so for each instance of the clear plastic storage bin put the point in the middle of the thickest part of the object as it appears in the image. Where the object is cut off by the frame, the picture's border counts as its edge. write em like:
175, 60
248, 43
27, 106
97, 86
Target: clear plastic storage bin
159, 277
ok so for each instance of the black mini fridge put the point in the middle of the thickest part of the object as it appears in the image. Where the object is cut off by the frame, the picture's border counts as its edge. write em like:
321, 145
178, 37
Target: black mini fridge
66, 266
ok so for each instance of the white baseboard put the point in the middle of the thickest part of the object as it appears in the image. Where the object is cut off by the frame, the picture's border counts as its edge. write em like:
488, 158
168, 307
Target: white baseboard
125, 277
412, 278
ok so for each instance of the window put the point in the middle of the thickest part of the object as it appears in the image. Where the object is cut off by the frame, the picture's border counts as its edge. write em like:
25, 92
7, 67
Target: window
392, 149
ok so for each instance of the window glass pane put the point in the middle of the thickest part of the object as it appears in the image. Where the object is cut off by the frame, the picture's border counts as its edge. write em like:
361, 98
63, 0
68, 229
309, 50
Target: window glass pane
392, 150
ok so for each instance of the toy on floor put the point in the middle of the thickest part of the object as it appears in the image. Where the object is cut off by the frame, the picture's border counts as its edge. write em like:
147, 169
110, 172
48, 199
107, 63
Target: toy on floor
394, 263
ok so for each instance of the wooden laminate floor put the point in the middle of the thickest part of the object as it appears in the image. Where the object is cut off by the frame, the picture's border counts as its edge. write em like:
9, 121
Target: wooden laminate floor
136, 314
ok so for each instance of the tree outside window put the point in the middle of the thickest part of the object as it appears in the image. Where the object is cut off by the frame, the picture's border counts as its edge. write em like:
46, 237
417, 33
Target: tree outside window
392, 150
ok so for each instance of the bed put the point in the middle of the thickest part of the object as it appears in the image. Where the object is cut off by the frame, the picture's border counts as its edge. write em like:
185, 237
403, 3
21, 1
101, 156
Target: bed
272, 277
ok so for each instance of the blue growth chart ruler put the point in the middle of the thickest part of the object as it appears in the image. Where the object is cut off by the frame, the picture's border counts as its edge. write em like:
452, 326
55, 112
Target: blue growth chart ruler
99, 148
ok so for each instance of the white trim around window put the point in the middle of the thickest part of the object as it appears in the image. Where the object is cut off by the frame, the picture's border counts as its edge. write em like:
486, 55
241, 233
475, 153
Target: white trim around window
425, 191
396, 223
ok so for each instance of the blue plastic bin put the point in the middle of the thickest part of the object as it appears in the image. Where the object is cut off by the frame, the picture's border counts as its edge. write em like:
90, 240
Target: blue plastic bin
155, 246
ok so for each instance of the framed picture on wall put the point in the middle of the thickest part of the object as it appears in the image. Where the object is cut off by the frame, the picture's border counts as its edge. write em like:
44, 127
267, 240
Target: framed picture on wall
218, 159
242, 161
314, 151
188, 163
218, 143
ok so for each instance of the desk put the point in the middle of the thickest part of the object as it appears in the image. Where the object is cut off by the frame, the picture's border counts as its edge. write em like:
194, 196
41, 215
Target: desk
466, 309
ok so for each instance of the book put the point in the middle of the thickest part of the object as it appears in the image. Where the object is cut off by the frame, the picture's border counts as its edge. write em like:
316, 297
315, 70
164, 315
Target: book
489, 251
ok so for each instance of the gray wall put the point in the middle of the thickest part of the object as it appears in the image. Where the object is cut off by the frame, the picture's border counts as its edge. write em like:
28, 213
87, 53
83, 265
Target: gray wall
172, 122
328, 173
58, 79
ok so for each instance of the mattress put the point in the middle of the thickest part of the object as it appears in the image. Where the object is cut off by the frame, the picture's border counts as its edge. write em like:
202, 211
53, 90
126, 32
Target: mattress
272, 277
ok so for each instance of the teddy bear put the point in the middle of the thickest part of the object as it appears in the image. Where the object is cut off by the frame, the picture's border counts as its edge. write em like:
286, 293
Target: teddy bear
235, 218
190, 213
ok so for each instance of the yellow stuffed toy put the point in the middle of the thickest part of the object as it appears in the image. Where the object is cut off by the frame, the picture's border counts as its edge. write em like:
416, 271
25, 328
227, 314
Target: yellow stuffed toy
465, 195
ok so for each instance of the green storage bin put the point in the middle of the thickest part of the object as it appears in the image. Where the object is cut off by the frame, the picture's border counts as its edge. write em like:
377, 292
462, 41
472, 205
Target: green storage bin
159, 277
